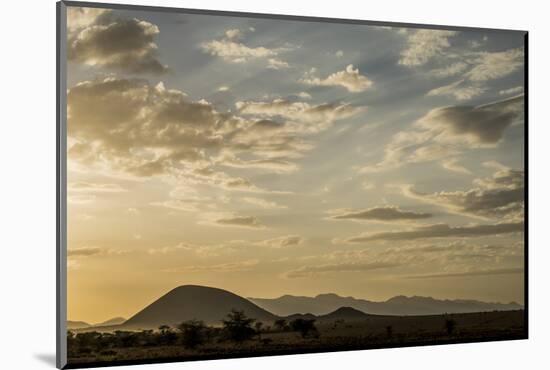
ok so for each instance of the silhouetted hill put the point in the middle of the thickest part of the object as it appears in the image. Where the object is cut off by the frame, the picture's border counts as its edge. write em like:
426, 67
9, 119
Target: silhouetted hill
189, 302
345, 313
399, 305
307, 316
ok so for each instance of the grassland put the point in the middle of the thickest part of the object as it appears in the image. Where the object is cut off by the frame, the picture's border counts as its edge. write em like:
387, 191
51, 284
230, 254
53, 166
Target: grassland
121, 347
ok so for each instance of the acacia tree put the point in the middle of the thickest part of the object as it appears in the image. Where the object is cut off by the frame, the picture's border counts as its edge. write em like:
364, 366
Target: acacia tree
166, 335
192, 333
306, 327
280, 324
238, 326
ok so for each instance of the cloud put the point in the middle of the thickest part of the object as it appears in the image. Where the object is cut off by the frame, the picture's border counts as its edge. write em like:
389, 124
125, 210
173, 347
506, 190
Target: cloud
78, 17
240, 221
212, 250
93, 251
458, 90
282, 241
309, 271
387, 214
452, 164
484, 124
186, 205
232, 50
224, 267
274, 63
233, 34
126, 127
449, 70
84, 251
498, 197
319, 116
277, 165
172, 249
126, 45
445, 132
512, 91
349, 78
263, 203
441, 231
490, 66
235, 52
423, 45
87, 187
473, 273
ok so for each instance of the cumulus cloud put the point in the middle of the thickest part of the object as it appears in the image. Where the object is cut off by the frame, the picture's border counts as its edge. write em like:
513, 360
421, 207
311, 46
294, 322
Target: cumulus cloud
387, 214
441, 231
105, 41
128, 127
349, 78
444, 133
79, 17
422, 45
274, 63
235, 52
231, 49
501, 196
233, 34
309, 271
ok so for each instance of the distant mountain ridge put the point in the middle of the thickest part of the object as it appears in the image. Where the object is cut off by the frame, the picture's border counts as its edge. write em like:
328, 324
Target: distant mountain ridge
211, 305
323, 304
73, 325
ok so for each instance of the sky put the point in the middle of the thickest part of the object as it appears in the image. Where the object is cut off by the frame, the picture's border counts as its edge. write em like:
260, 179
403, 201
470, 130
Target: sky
271, 157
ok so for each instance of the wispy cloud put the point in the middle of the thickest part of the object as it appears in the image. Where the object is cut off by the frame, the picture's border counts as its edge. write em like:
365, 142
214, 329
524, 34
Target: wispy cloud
441, 231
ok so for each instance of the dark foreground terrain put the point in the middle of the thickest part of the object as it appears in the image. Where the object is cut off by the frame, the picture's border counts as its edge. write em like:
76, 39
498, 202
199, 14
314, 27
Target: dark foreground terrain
240, 336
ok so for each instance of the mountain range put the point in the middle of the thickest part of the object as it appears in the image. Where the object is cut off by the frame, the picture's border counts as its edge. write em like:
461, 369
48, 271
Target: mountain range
399, 305
71, 325
212, 305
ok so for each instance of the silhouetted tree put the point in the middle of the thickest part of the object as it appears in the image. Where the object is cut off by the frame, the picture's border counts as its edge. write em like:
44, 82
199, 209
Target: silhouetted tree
450, 325
238, 326
280, 324
306, 327
192, 333
166, 335
258, 326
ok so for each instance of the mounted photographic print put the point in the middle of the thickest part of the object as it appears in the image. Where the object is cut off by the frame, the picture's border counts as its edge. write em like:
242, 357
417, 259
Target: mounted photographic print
236, 185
